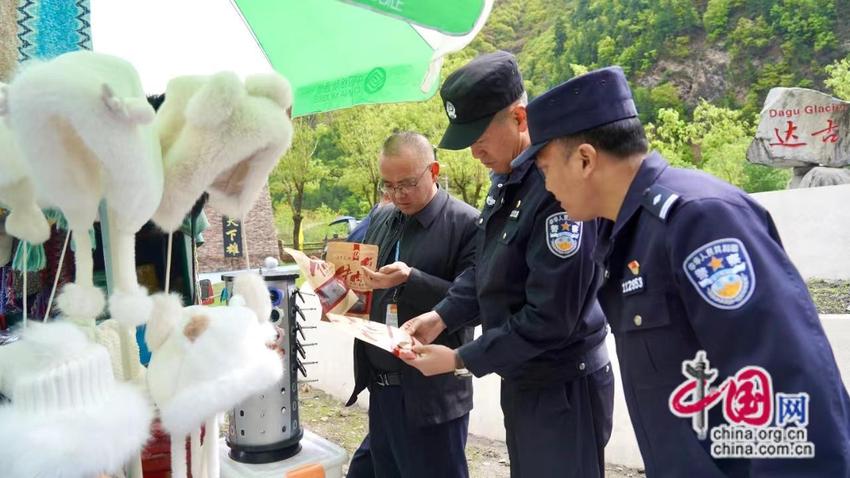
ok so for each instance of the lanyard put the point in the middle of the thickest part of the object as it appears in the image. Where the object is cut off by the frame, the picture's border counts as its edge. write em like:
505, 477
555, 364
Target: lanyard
397, 247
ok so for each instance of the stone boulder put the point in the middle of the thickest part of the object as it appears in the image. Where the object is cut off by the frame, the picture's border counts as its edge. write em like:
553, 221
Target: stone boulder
802, 127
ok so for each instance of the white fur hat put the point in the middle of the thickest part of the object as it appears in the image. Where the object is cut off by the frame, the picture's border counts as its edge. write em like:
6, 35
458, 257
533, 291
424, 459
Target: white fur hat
26, 221
68, 417
83, 123
208, 359
222, 137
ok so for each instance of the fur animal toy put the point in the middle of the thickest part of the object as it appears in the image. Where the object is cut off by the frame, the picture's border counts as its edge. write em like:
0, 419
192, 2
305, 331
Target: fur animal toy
206, 360
220, 136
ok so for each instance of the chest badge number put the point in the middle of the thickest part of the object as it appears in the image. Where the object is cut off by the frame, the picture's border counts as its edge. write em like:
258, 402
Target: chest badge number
563, 235
636, 283
722, 272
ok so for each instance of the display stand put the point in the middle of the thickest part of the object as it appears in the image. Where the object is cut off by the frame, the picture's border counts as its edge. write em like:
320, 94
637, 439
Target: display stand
318, 458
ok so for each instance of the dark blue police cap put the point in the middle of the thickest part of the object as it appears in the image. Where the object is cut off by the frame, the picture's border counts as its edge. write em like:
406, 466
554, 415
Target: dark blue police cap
582, 103
474, 93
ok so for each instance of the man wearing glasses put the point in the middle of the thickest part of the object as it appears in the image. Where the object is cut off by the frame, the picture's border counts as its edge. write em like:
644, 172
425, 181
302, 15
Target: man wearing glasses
417, 424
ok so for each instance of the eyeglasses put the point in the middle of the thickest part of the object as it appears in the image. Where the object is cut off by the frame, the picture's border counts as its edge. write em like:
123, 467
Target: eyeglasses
403, 187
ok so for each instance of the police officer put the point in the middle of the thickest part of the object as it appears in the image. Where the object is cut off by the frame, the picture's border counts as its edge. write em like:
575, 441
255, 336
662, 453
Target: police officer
547, 343
697, 289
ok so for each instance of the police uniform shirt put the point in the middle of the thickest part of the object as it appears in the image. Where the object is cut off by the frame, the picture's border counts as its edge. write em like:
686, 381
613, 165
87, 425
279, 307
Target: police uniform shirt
692, 263
533, 283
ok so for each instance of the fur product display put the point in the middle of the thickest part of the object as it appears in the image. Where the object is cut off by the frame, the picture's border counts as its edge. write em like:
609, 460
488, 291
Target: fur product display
84, 125
86, 129
220, 136
81, 305
108, 334
205, 360
68, 417
25, 221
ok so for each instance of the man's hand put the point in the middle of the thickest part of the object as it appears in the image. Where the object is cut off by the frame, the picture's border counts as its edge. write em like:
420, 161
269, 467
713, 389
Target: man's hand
424, 328
431, 359
388, 276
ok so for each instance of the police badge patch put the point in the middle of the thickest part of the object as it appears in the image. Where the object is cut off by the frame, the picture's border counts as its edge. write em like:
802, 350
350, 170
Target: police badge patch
563, 235
722, 273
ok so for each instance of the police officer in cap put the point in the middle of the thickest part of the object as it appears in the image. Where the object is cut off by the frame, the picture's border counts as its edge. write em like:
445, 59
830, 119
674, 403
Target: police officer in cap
547, 343
714, 326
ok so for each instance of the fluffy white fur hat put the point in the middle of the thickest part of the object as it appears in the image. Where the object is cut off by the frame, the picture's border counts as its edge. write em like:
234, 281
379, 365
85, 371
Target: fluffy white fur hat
208, 359
26, 221
68, 417
85, 127
222, 137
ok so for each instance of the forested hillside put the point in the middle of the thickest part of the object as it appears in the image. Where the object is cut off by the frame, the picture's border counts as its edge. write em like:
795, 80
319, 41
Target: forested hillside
700, 71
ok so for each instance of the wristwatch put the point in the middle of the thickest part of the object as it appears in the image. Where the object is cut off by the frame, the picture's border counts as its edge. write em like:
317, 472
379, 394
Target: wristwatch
460, 370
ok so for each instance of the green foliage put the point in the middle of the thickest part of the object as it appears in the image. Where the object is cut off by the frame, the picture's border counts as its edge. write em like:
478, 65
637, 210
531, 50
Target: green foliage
770, 76
298, 171
716, 142
315, 224
839, 78
758, 45
804, 23
650, 100
716, 18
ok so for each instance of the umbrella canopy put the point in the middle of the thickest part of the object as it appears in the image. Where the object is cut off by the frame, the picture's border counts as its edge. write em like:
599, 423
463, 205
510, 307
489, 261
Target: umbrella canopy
336, 53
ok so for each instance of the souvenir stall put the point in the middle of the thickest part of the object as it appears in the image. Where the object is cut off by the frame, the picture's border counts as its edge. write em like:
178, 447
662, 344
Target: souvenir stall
106, 161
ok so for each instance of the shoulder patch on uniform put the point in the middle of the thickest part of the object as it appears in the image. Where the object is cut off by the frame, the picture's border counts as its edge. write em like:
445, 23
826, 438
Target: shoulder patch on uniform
563, 235
659, 201
722, 273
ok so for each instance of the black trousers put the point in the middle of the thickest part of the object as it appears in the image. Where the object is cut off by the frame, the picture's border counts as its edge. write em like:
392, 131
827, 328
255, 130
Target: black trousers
559, 430
394, 448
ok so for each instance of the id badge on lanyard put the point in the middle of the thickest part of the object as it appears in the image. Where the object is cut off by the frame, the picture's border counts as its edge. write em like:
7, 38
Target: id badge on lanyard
391, 317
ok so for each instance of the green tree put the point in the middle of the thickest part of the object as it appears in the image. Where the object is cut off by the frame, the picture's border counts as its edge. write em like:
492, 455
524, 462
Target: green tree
359, 135
839, 78
807, 24
716, 18
715, 141
298, 170
650, 100
467, 177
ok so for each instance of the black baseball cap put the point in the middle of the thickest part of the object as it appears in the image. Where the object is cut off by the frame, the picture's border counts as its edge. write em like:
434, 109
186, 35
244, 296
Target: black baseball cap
474, 93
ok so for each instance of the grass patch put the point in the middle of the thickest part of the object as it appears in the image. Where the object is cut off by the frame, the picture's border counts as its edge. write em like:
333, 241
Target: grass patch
830, 296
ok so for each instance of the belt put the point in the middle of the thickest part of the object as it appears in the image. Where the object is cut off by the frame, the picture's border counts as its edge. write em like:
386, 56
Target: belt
386, 379
568, 369
592, 360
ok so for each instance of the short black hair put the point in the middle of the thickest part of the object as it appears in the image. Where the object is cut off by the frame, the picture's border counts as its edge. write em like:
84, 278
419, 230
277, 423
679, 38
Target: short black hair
416, 143
621, 138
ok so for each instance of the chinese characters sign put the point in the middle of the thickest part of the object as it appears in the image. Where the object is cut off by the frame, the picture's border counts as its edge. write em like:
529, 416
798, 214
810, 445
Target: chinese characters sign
349, 259
801, 127
232, 230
